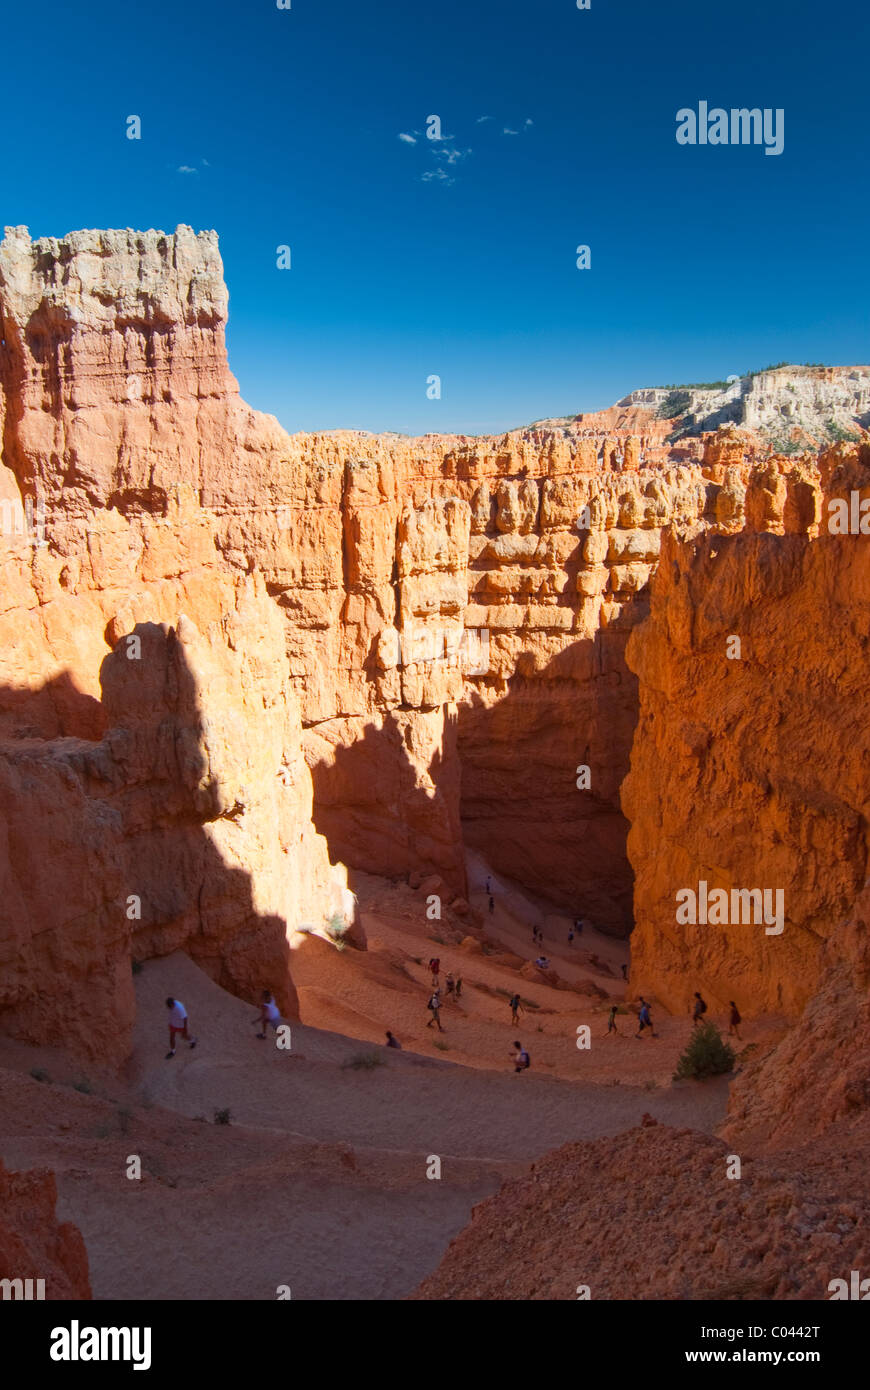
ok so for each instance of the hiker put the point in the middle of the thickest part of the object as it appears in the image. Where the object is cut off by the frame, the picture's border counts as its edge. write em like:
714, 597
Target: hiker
698, 1010
624, 969
516, 1006
393, 1042
611, 1021
491, 903
542, 963
570, 938
450, 984
458, 989
268, 1015
435, 967
488, 884
734, 1020
522, 1060
434, 1007
578, 925
644, 1019
177, 1024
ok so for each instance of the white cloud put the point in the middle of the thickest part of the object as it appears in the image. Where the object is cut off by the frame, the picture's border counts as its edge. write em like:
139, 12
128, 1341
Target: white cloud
528, 122
507, 131
451, 156
480, 119
408, 139
440, 174
185, 169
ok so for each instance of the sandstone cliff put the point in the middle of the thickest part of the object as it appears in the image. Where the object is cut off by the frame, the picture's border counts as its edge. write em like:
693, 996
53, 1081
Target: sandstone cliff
34, 1245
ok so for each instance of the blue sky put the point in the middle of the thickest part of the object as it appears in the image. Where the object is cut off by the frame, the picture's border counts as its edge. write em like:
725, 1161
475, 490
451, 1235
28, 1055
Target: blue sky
705, 260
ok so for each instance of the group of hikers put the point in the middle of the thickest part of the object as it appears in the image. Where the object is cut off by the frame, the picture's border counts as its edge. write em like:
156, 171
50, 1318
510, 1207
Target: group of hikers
268, 1017
699, 1008
452, 987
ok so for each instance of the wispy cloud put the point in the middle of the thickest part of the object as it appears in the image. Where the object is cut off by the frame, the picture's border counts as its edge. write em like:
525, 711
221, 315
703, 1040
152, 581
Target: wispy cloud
185, 169
508, 131
450, 156
481, 119
440, 174
527, 122
407, 139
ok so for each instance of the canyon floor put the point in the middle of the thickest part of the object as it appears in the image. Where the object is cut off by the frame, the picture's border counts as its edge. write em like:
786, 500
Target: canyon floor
319, 1180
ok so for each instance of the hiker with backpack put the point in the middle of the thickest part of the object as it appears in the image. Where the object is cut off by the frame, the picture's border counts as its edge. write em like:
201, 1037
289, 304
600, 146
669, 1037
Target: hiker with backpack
434, 1007
698, 1010
734, 1020
522, 1060
611, 1020
516, 1006
435, 967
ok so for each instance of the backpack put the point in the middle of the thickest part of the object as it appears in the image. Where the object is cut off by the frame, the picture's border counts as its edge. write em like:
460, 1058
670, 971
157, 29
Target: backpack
702, 1007
434, 1002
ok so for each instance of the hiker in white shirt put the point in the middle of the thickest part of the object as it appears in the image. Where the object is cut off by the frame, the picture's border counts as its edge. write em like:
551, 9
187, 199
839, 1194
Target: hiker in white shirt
177, 1024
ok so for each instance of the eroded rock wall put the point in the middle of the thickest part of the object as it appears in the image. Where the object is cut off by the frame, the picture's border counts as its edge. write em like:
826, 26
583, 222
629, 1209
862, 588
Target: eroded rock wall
751, 770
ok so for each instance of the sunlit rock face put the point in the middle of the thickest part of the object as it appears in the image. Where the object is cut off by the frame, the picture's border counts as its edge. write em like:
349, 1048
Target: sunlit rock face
753, 667
363, 651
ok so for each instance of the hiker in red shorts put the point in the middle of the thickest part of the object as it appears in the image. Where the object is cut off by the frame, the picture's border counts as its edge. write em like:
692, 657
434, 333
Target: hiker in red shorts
177, 1024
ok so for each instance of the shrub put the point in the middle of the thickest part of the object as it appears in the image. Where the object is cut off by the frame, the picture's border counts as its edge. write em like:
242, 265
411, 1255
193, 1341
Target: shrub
136, 966
84, 1086
441, 1046
222, 1117
706, 1054
363, 1061
39, 1074
336, 927
838, 434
